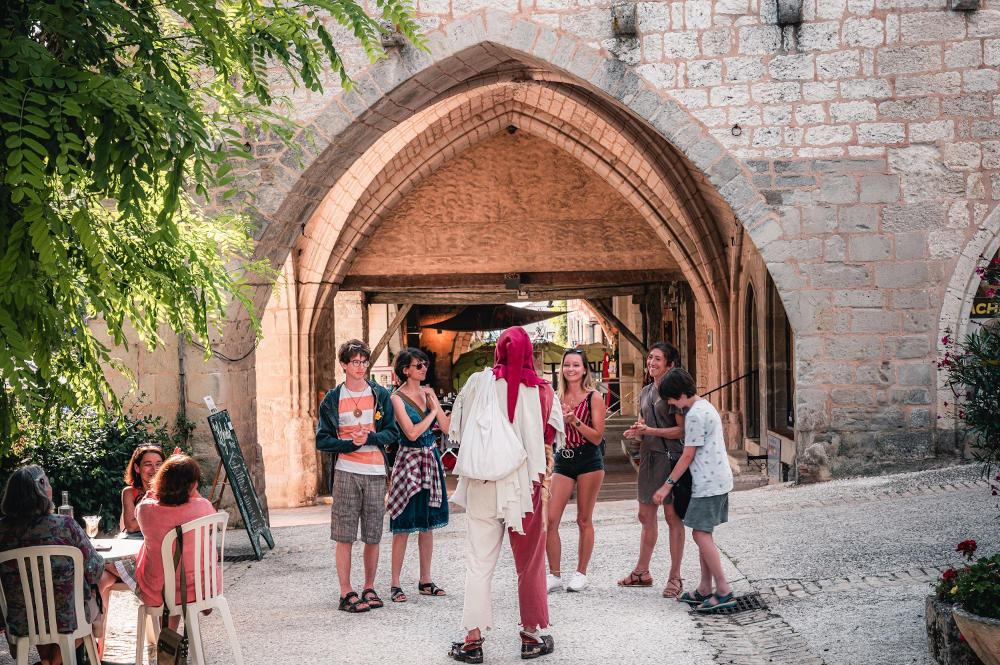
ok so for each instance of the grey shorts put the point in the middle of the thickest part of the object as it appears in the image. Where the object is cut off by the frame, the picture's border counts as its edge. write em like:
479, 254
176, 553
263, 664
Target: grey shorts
654, 467
357, 498
707, 512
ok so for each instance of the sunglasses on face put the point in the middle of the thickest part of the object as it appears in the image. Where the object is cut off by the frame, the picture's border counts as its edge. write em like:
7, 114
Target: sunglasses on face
419, 365
359, 363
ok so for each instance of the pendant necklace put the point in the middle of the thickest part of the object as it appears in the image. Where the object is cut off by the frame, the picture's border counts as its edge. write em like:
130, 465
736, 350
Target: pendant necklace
357, 407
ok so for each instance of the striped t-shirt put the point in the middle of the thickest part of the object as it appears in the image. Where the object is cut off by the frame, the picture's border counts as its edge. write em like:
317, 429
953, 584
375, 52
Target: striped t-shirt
366, 460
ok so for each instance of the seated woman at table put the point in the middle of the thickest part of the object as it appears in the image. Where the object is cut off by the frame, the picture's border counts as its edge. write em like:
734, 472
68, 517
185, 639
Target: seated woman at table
145, 462
174, 500
28, 521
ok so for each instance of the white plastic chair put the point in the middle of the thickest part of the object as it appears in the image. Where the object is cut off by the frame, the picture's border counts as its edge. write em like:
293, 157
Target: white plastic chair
40, 603
208, 536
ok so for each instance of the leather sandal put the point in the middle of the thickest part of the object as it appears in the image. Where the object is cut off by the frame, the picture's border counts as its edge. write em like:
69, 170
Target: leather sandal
675, 585
637, 578
536, 645
396, 594
351, 603
369, 596
430, 589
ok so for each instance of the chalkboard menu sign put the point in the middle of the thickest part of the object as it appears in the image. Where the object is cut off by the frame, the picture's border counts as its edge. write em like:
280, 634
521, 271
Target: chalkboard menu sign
774, 457
239, 480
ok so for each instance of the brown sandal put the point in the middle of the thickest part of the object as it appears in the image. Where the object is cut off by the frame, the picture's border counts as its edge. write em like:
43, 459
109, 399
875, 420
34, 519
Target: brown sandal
675, 585
636, 578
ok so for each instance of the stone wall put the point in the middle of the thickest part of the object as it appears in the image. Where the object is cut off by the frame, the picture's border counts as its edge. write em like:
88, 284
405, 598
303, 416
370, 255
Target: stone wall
858, 152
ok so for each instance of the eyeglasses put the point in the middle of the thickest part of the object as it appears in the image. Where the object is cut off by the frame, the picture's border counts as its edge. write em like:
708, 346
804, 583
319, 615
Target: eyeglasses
579, 352
359, 363
420, 365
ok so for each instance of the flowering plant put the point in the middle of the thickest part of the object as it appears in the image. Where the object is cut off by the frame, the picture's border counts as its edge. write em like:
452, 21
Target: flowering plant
973, 375
976, 585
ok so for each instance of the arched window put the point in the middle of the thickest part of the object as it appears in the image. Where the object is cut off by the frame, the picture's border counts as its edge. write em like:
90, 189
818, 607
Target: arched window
751, 362
779, 344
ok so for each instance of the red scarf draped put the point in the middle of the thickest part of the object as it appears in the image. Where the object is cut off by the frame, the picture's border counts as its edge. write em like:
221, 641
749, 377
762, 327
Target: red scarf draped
512, 361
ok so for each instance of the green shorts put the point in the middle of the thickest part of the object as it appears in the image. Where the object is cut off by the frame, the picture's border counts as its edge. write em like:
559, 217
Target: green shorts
707, 512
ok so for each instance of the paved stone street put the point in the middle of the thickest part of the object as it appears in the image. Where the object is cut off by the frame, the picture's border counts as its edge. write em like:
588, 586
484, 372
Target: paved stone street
843, 568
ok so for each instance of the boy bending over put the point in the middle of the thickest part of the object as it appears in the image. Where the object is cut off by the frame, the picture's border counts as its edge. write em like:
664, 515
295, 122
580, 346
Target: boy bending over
711, 482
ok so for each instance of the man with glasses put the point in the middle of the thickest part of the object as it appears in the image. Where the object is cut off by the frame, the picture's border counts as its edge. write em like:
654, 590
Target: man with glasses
356, 424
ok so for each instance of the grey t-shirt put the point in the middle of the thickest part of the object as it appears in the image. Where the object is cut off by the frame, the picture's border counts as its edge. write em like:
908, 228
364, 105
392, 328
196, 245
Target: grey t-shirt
657, 413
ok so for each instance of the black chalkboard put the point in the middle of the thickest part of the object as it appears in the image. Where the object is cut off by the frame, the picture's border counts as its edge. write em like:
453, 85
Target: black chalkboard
239, 479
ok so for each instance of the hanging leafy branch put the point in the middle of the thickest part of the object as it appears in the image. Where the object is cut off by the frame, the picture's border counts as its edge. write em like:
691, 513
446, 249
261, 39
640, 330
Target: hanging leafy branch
120, 124
973, 375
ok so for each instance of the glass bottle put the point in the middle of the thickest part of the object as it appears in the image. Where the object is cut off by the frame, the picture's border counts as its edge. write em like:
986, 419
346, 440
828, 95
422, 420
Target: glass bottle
65, 508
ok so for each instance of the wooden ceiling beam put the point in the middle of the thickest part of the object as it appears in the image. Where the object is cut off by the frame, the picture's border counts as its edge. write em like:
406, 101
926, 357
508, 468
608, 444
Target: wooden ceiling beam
472, 296
530, 281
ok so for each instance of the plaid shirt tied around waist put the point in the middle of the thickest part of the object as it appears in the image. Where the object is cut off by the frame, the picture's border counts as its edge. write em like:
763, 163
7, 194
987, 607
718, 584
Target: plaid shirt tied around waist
416, 469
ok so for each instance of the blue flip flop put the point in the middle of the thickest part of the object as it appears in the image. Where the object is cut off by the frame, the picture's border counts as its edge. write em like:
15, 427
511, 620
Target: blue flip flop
721, 603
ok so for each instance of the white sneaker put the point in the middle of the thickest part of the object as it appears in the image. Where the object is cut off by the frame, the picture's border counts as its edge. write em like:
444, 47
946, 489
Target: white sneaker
552, 582
578, 582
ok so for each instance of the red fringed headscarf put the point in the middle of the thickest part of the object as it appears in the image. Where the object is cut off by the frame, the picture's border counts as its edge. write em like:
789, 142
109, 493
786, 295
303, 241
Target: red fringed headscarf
512, 361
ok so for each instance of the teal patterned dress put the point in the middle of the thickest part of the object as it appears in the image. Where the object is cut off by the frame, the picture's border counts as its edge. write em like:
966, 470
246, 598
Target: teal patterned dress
419, 514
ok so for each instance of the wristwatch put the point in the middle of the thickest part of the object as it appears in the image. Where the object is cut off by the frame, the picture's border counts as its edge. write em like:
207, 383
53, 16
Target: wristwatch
670, 481
577, 423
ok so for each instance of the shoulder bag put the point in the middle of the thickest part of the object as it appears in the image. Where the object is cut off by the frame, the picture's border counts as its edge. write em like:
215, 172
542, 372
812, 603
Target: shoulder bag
171, 646
489, 448
682, 489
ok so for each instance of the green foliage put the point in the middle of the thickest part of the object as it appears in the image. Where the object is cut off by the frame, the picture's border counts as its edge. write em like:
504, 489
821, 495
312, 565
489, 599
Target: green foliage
561, 323
88, 457
973, 369
976, 585
121, 125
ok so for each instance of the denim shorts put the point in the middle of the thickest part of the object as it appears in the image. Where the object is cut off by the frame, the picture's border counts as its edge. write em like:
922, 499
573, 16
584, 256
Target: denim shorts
573, 462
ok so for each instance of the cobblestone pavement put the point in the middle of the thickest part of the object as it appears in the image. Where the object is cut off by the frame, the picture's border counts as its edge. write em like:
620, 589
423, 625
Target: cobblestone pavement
841, 567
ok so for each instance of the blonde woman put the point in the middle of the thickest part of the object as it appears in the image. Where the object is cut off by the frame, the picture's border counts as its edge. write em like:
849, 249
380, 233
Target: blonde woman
581, 463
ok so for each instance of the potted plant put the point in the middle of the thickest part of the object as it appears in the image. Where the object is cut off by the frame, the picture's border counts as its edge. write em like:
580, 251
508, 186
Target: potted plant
947, 644
971, 593
974, 591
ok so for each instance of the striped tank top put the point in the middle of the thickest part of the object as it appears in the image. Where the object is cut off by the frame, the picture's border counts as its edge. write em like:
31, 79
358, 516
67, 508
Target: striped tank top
366, 460
582, 411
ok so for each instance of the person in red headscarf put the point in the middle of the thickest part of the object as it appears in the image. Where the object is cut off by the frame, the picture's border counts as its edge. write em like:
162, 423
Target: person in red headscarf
504, 419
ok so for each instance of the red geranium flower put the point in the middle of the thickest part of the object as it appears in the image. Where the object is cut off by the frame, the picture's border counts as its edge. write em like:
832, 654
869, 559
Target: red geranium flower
949, 574
966, 547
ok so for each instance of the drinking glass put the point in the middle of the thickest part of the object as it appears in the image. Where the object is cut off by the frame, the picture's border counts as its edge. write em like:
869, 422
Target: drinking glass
92, 521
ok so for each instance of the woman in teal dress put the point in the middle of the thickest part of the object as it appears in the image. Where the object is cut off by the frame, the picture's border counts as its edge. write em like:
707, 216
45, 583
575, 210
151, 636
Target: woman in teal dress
418, 499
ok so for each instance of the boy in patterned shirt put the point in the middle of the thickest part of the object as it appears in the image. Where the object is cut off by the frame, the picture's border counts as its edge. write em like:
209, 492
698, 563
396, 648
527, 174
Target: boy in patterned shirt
711, 482
356, 423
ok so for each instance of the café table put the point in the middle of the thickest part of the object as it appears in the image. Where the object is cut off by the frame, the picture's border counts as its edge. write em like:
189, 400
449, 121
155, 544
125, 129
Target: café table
113, 549
119, 647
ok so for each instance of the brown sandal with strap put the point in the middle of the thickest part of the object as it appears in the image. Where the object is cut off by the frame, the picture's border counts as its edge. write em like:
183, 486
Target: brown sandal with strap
675, 585
637, 578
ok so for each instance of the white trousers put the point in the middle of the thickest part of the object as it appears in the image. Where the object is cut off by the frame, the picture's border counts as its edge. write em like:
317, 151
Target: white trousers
483, 541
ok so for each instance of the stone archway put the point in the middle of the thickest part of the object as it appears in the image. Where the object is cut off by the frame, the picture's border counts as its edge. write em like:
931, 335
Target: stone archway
321, 214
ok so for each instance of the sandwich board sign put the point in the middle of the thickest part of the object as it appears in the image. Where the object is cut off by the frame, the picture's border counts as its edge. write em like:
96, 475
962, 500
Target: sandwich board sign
233, 462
